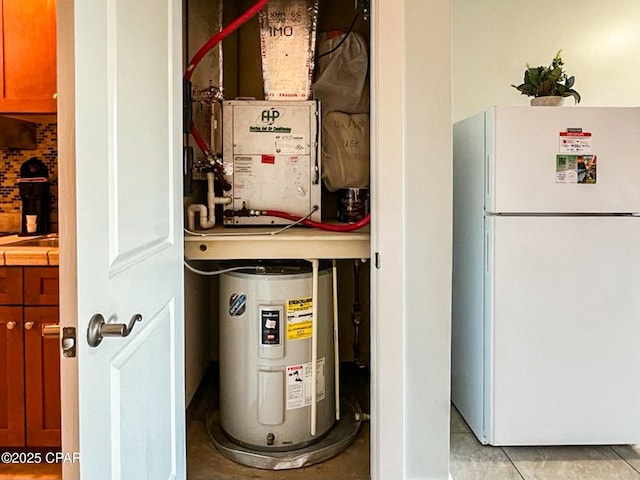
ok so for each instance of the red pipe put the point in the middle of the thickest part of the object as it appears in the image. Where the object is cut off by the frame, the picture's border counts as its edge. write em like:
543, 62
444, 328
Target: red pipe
322, 226
199, 140
212, 42
225, 32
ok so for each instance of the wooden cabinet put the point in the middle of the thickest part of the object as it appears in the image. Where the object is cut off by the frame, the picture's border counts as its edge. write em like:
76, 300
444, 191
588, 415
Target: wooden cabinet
29, 363
41, 286
42, 378
11, 286
12, 429
28, 56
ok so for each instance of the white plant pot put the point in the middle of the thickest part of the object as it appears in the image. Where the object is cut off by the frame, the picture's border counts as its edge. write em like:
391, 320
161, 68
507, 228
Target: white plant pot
550, 101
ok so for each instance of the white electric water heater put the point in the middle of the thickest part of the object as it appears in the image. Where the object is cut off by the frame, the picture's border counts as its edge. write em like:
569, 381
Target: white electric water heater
265, 356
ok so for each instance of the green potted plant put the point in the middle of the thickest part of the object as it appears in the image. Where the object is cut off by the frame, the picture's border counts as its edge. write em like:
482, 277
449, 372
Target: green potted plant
548, 85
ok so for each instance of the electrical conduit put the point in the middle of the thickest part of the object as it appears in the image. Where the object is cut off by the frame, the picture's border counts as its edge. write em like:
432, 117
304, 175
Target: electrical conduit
315, 264
336, 350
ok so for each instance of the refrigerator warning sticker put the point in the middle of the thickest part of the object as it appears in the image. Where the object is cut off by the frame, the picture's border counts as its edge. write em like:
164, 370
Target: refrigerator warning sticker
576, 169
575, 141
299, 313
299, 384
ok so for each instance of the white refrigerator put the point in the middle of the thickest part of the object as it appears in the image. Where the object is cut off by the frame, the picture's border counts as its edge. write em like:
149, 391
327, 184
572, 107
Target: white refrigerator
546, 275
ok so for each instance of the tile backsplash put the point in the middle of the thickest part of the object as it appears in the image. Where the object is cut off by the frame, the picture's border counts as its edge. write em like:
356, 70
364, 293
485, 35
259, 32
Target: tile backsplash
46, 151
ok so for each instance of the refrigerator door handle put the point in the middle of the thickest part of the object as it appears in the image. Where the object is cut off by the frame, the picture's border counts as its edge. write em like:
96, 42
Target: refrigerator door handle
487, 252
487, 183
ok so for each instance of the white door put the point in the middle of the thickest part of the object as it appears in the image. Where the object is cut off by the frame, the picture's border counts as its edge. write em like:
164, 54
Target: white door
564, 359
526, 174
126, 59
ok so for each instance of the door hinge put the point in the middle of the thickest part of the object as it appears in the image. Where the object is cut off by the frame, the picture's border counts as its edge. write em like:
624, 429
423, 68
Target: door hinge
377, 260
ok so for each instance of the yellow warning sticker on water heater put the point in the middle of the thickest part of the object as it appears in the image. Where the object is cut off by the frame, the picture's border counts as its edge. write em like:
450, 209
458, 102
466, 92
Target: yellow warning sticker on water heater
299, 314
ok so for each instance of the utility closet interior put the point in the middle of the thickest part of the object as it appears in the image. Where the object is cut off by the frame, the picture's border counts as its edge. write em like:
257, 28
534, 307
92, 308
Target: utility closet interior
277, 274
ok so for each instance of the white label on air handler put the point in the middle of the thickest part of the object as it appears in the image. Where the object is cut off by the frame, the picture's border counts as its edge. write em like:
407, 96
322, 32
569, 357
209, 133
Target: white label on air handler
290, 144
299, 384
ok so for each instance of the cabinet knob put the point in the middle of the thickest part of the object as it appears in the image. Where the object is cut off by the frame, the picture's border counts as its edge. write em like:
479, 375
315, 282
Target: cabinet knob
11, 325
28, 325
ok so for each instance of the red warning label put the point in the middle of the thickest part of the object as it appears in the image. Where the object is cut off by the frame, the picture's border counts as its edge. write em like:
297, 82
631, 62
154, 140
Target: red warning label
575, 141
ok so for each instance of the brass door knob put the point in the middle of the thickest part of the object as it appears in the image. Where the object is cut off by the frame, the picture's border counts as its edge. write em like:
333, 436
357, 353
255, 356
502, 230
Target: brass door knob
28, 325
11, 325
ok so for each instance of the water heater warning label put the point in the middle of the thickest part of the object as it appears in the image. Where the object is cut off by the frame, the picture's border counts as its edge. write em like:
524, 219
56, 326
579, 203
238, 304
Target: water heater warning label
299, 384
299, 314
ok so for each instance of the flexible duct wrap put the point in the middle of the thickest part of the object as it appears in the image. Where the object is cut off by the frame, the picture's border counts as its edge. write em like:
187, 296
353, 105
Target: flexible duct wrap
342, 87
345, 150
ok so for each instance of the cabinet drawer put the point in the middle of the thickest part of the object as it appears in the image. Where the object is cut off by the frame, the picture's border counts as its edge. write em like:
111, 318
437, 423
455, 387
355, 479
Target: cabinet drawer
10, 285
41, 286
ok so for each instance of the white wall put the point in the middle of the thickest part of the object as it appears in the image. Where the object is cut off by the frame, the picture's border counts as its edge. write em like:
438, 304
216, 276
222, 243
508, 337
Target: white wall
493, 40
411, 229
427, 188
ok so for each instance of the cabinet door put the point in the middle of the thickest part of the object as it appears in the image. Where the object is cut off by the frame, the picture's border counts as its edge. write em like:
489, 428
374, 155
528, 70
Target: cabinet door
11, 378
10, 285
28, 56
42, 378
41, 286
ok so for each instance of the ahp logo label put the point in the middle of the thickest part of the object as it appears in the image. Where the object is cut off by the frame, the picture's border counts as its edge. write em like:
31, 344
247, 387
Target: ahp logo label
270, 121
270, 116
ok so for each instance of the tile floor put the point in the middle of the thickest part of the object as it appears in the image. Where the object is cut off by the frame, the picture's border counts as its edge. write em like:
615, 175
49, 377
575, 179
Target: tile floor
470, 460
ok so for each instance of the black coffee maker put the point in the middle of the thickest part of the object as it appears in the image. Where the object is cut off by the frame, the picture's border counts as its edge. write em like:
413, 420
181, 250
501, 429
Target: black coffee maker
34, 192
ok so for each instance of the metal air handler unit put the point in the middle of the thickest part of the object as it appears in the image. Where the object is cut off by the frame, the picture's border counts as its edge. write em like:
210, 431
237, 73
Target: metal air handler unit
271, 160
265, 357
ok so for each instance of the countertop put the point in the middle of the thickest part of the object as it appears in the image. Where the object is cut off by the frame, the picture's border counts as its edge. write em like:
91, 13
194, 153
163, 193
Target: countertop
26, 256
